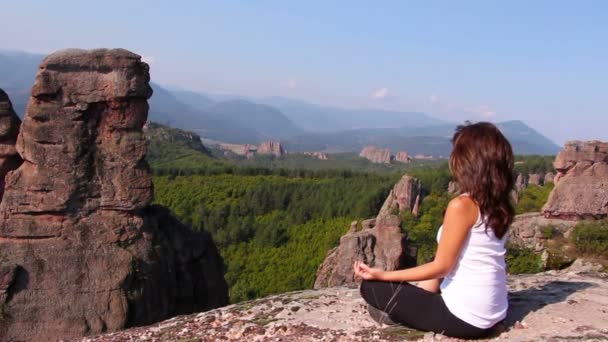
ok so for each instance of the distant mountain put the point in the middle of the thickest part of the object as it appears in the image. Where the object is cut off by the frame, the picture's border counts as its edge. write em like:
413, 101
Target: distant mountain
267, 120
317, 118
433, 140
301, 126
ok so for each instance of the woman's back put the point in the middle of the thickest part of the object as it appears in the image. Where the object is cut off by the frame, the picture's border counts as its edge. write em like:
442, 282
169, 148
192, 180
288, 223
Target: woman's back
475, 290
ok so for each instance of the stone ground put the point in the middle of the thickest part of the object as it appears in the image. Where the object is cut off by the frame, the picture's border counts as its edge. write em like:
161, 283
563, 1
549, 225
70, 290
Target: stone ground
550, 306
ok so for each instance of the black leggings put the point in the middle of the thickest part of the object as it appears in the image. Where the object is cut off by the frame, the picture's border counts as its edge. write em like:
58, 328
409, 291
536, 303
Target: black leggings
417, 308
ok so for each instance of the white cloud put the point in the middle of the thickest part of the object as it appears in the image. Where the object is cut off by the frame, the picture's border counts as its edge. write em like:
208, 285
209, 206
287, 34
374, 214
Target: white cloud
482, 110
148, 59
380, 94
289, 83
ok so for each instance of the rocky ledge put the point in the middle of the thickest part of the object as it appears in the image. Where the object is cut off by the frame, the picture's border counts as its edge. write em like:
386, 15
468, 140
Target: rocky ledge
550, 306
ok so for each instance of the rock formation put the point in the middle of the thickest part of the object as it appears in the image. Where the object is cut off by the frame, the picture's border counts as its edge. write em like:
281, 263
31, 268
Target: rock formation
453, 188
271, 147
549, 177
9, 128
520, 183
318, 155
403, 157
380, 243
157, 133
527, 230
376, 155
581, 190
535, 179
405, 195
81, 249
550, 306
245, 150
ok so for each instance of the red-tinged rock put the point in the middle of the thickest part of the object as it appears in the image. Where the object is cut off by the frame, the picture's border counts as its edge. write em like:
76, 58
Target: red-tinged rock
271, 147
376, 155
9, 129
581, 191
81, 249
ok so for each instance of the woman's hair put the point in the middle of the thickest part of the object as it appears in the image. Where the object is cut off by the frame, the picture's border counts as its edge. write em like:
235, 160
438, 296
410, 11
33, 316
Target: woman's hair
482, 164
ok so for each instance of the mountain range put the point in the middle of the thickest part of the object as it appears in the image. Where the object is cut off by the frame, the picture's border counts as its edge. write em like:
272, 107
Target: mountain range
299, 125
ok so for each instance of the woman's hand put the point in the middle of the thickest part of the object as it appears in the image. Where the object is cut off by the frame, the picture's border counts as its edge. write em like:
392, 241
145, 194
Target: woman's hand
366, 272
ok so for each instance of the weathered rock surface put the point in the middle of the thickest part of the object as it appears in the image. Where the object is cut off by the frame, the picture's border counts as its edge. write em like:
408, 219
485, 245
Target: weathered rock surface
453, 188
403, 157
582, 187
527, 230
376, 155
81, 249
9, 128
404, 196
551, 306
245, 150
536, 179
271, 147
381, 243
157, 133
549, 178
520, 183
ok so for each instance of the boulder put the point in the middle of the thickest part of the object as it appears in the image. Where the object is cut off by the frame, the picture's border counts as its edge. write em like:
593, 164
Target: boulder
376, 155
271, 147
403, 157
405, 196
581, 190
82, 251
9, 128
530, 230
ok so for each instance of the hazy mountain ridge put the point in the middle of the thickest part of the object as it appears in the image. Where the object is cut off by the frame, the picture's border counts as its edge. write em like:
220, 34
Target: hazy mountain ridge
300, 125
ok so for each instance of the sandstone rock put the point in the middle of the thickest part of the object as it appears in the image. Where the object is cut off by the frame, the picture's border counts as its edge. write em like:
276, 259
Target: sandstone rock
81, 249
318, 155
520, 183
582, 189
404, 196
245, 150
384, 246
376, 155
9, 128
271, 147
527, 229
582, 266
535, 179
550, 306
403, 157
549, 177
453, 188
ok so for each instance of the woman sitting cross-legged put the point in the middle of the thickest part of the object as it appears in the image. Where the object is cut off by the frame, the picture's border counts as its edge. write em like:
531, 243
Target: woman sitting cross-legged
471, 298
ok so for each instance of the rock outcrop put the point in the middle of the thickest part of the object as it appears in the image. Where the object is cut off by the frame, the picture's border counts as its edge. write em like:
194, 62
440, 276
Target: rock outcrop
535, 179
245, 150
271, 147
9, 128
405, 195
318, 155
157, 133
581, 190
380, 243
376, 155
549, 177
550, 306
520, 183
530, 230
453, 188
403, 157
81, 249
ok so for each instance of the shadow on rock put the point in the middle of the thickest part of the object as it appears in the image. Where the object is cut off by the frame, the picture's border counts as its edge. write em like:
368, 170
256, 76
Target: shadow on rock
524, 302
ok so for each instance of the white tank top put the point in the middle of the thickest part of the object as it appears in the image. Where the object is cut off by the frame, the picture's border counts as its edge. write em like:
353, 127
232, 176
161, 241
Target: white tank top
476, 289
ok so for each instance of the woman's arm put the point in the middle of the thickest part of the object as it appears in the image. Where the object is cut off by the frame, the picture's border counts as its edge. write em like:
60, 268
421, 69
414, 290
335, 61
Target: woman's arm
460, 216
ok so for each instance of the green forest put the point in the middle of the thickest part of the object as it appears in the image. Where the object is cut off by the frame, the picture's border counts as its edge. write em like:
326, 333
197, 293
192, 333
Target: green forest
274, 223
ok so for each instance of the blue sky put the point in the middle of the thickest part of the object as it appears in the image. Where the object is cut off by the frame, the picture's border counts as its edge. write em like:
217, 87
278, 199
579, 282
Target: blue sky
544, 62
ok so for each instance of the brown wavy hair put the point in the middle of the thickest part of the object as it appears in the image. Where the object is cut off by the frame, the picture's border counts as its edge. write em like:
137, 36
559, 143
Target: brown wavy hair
482, 165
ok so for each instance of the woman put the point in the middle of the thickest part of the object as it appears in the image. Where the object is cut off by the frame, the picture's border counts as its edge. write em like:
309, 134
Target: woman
472, 297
